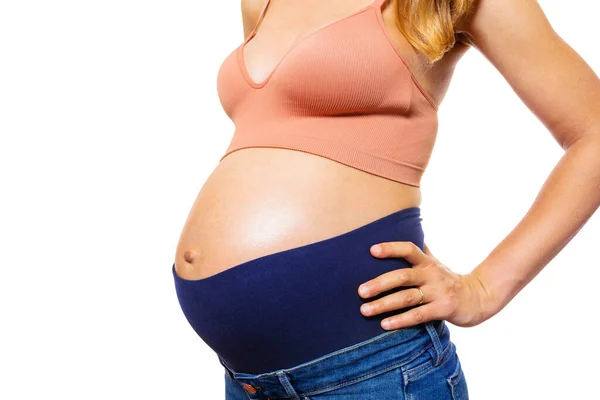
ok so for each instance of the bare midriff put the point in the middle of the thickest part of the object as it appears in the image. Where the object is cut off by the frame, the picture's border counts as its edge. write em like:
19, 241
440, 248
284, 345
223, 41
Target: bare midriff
259, 201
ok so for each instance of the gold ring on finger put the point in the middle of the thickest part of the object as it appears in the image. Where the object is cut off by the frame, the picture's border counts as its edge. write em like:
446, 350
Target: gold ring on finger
422, 296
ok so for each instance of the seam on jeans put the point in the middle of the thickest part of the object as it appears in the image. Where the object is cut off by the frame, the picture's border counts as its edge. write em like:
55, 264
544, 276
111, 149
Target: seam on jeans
363, 377
285, 382
454, 381
336, 353
349, 349
455, 377
437, 344
445, 353
419, 370
427, 365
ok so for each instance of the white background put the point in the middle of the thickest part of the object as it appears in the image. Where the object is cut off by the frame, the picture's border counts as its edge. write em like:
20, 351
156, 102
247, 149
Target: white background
110, 123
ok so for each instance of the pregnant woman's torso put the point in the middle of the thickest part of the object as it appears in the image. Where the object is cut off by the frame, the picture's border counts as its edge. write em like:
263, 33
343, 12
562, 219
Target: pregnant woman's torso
262, 200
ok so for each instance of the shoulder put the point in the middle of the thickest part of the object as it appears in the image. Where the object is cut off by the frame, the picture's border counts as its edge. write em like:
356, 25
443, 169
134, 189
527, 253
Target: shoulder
462, 28
486, 19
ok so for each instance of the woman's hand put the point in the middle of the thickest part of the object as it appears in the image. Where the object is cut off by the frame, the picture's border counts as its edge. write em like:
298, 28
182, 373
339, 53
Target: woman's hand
459, 299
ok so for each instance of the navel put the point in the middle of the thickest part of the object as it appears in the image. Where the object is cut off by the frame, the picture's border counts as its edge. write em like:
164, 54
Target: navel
190, 256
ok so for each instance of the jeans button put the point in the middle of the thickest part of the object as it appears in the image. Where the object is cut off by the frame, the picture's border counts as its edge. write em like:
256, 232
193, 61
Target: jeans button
249, 388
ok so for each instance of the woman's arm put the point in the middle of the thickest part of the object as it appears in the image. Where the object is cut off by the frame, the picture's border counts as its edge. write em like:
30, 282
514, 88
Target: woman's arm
564, 93
559, 87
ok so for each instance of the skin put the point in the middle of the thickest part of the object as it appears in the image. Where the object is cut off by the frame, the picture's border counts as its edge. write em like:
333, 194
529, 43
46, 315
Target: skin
564, 94
286, 191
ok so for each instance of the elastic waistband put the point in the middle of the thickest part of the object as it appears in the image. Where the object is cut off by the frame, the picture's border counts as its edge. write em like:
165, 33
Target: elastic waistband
286, 308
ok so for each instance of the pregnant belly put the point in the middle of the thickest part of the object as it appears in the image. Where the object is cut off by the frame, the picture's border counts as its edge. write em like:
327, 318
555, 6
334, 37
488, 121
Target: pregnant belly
260, 201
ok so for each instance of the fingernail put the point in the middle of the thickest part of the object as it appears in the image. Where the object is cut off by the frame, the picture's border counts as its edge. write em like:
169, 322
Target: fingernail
363, 290
365, 308
376, 248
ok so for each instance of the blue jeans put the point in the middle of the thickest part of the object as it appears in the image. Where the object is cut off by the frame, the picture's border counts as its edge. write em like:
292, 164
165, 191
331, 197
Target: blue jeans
415, 363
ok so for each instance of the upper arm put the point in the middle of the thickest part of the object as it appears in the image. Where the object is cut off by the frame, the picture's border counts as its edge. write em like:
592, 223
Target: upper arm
549, 76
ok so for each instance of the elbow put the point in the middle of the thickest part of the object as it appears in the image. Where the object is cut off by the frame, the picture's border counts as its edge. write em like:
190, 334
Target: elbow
591, 139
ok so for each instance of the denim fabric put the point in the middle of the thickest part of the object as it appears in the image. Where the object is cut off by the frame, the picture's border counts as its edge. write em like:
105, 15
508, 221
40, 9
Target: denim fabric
415, 363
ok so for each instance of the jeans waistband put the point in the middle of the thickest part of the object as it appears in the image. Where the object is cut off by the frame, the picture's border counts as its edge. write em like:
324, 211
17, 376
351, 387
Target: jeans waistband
379, 354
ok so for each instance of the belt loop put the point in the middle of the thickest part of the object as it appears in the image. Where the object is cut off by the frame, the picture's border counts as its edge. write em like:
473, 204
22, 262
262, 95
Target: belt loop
285, 382
436, 351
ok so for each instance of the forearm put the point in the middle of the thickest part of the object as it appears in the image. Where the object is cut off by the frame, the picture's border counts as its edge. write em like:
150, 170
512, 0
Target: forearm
569, 197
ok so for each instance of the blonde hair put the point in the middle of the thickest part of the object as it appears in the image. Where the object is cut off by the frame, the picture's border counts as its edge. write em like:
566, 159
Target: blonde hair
429, 24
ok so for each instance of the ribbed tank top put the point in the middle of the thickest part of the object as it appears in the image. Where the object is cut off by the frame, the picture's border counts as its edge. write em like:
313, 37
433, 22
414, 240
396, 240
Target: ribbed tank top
343, 92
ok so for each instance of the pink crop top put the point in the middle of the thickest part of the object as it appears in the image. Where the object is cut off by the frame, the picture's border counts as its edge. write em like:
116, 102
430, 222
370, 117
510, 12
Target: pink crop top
343, 92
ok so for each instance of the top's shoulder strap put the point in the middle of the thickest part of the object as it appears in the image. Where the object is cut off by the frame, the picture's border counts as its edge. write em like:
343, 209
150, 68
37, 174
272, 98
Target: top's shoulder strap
260, 17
